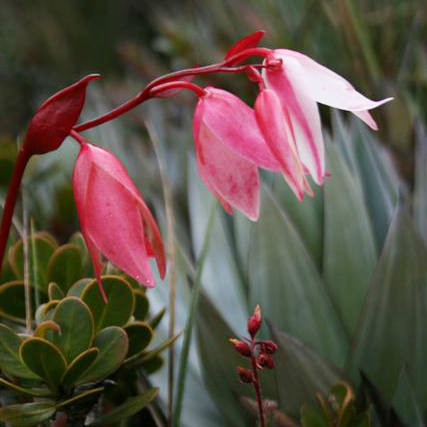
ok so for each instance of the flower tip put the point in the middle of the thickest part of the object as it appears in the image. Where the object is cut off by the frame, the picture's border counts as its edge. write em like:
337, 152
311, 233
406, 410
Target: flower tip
93, 76
101, 289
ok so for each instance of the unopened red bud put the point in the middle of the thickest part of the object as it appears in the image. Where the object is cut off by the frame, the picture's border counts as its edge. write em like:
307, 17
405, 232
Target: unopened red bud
241, 347
268, 346
254, 322
264, 360
245, 375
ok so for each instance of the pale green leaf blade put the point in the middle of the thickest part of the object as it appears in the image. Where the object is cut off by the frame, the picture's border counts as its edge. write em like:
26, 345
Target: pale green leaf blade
287, 285
349, 249
393, 317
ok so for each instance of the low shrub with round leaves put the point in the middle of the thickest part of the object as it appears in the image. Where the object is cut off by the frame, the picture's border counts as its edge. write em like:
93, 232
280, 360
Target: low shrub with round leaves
78, 341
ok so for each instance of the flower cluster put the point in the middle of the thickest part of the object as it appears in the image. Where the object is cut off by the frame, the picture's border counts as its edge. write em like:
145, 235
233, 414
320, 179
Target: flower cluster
281, 133
260, 354
260, 351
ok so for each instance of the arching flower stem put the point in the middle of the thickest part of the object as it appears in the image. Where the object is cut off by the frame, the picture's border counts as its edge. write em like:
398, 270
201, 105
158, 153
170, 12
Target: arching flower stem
147, 92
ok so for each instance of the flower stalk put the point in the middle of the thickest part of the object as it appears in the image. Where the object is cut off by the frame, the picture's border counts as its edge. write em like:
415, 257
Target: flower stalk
259, 352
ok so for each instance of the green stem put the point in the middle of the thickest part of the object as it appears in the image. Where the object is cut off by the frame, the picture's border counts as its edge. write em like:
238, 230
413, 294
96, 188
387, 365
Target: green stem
190, 319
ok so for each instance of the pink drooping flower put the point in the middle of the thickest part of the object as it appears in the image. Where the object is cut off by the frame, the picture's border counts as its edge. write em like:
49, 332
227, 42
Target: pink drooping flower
114, 219
229, 150
299, 83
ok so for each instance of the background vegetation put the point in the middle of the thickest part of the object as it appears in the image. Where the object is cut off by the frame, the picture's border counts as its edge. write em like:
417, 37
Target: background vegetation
295, 252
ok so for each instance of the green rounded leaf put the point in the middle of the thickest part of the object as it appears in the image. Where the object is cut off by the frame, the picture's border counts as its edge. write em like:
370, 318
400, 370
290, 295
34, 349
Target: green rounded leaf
12, 300
44, 359
142, 305
45, 311
76, 288
139, 335
78, 367
27, 414
41, 249
47, 325
65, 266
10, 361
132, 406
153, 364
55, 292
76, 322
113, 344
120, 306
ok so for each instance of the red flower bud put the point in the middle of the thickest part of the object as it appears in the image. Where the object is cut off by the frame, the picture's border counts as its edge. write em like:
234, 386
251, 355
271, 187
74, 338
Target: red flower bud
245, 375
56, 117
251, 40
241, 347
264, 360
268, 346
254, 321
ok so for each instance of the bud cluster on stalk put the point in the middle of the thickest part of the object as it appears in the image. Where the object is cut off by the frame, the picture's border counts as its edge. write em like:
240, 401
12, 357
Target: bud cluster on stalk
259, 351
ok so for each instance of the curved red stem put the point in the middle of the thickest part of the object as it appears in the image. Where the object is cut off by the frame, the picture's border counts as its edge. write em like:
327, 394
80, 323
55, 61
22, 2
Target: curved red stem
257, 388
12, 195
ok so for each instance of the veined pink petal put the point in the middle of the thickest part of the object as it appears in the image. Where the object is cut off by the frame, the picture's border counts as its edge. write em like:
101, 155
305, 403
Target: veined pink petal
277, 129
227, 207
289, 85
114, 224
114, 219
233, 122
106, 161
329, 88
234, 180
152, 234
196, 128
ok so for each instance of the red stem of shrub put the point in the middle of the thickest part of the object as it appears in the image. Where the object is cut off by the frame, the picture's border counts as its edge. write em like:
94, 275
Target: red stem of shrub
12, 194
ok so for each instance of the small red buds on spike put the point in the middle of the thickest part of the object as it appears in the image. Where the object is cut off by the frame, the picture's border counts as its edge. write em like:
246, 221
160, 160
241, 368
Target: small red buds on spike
241, 347
251, 40
268, 346
245, 375
56, 117
264, 360
254, 322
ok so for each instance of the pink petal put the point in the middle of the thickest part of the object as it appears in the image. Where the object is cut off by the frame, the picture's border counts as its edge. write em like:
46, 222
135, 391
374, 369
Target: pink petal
235, 180
98, 266
289, 85
227, 207
152, 234
110, 213
329, 88
366, 117
276, 127
106, 161
233, 122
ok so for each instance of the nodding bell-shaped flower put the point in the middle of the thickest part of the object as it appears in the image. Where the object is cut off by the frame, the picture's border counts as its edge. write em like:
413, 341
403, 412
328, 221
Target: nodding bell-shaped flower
114, 219
229, 150
300, 82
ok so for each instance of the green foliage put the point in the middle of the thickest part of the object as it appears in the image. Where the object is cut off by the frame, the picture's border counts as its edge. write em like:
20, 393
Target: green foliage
78, 340
346, 297
337, 409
